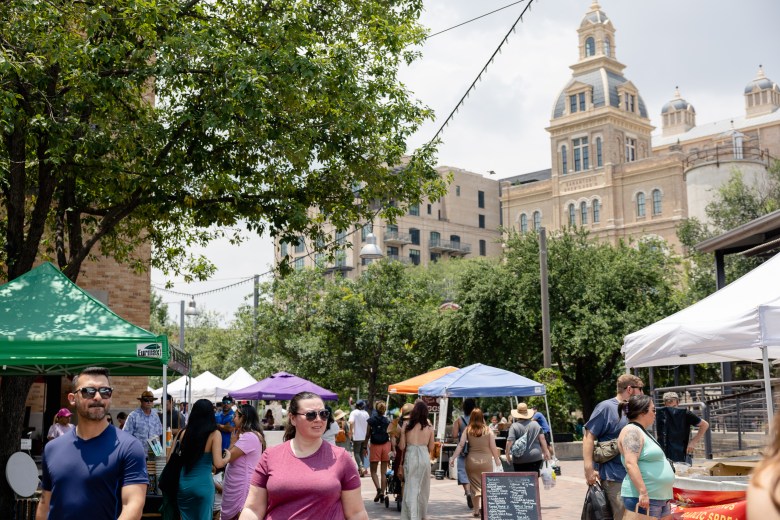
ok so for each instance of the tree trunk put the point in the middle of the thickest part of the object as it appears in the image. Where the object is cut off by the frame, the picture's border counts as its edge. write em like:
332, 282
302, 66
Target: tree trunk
13, 395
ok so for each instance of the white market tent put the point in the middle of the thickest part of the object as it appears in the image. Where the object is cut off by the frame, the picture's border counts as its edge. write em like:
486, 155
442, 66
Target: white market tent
740, 322
237, 380
205, 386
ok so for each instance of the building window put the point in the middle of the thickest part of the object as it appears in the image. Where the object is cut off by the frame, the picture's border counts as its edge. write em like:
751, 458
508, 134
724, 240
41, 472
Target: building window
596, 211
392, 230
414, 256
392, 252
640, 204
599, 155
590, 47
414, 210
564, 161
482, 221
581, 156
583, 213
607, 47
457, 191
630, 149
630, 102
455, 239
435, 240
435, 257
581, 97
300, 246
657, 202
298, 264
341, 259
283, 249
365, 230
319, 260
572, 216
523, 223
572, 104
482, 248
480, 199
414, 236
341, 238
537, 221
429, 209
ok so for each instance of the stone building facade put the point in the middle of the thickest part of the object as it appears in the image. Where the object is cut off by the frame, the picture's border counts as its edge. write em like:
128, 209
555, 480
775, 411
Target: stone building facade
611, 175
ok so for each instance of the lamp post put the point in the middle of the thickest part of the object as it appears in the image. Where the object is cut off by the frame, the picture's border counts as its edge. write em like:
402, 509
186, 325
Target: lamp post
370, 251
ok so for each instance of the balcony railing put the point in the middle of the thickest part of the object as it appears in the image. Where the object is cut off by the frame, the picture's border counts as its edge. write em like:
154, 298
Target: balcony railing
726, 153
393, 238
399, 258
453, 247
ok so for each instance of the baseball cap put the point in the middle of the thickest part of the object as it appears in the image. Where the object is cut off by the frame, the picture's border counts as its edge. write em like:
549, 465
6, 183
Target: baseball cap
63, 412
671, 395
227, 399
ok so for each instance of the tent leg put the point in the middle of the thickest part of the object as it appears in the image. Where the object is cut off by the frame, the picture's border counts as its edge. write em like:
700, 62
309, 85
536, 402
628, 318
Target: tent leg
164, 403
770, 410
549, 421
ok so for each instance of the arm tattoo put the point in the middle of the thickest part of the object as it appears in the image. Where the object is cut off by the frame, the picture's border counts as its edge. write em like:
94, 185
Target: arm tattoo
633, 441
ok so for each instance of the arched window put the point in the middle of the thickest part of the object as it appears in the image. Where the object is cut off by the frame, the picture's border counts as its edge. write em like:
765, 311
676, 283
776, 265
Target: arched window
572, 216
564, 161
657, 202
583, 213
523, 223
640, 204
599, 155
537, 221
590, 46
596, 211
607, 47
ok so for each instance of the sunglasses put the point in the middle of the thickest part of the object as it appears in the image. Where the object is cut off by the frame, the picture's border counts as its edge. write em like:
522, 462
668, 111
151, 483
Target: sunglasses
145, 399
88, 392
312, 415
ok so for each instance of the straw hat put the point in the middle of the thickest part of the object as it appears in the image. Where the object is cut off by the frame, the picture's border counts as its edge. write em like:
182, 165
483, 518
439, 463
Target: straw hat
338, 415
522, 412
406, 410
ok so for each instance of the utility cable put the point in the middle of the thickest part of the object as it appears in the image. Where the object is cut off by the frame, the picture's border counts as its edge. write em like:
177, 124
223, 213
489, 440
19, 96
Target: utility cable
473, 19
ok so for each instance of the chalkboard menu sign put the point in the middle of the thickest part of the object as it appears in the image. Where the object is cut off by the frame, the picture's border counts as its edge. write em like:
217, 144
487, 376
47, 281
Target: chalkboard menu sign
511, 496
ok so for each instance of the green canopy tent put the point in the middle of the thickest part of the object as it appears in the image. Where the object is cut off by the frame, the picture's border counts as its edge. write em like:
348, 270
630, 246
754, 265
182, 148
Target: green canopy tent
50, 326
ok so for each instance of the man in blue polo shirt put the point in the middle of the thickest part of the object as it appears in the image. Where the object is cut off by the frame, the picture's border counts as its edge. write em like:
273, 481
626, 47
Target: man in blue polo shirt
95, 470
225, 422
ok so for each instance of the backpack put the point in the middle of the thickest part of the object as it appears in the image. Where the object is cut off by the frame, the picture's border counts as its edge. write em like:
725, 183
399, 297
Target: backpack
521, 445
341, 436
379, 430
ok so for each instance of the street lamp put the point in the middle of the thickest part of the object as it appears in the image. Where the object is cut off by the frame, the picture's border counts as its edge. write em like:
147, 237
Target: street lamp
370, 251
191, 310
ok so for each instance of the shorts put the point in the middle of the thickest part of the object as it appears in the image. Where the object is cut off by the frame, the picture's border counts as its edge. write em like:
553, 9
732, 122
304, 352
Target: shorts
379, 452
658, 508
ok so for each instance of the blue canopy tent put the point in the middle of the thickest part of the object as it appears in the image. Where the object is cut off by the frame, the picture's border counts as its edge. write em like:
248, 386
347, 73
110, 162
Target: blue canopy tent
480, 380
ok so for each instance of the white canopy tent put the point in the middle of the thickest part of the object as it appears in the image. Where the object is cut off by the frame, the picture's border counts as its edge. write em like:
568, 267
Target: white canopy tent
205, 386
237, 380
739, 322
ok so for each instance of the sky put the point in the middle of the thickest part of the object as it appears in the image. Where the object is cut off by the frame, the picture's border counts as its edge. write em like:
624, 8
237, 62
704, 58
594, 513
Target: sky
709, 48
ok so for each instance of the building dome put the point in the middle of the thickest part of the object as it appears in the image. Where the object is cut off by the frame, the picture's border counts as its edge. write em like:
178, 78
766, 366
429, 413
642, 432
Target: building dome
594, 16
678, 103
761, 82
604, 85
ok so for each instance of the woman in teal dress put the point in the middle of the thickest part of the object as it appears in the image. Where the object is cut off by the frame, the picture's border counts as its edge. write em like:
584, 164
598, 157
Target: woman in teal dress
201, 448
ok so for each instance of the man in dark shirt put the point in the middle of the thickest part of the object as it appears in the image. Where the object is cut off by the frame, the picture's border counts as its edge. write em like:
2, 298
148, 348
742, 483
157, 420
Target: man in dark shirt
174, 417
674, 428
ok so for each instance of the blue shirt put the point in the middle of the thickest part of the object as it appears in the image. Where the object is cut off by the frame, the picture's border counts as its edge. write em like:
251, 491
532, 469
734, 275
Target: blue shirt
142, 426
86, 477
225, 418
538, 417
605, 424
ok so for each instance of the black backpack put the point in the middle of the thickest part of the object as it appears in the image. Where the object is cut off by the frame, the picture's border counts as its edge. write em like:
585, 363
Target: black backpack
379, 430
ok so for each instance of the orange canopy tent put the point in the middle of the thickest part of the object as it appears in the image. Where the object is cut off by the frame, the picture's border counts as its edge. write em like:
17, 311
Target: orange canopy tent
410, 386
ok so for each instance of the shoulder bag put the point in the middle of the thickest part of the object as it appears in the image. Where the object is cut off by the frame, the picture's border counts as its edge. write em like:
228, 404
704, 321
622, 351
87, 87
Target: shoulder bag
169, 479
604, 451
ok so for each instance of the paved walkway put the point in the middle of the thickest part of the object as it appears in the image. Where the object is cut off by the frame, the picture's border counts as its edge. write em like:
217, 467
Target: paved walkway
563, 502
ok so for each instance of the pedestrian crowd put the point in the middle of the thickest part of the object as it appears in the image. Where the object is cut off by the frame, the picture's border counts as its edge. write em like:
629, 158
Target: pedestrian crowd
219, 465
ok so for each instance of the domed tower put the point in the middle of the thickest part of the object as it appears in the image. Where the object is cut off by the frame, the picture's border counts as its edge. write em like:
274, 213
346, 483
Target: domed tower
678, 115
599, 117
762, 95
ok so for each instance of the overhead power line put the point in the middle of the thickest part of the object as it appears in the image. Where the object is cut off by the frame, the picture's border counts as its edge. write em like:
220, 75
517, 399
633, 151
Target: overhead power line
473, 19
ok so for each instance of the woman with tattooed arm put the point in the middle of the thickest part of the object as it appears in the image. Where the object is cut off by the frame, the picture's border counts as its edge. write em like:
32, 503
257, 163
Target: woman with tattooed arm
650, 475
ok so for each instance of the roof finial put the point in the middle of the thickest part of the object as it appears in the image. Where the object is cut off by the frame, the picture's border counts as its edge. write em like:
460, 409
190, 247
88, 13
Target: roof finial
595, 6
677, 93
760, 74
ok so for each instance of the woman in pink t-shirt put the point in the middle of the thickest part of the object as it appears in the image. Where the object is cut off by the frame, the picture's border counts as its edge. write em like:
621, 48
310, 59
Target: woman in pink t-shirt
305, 478
247, 446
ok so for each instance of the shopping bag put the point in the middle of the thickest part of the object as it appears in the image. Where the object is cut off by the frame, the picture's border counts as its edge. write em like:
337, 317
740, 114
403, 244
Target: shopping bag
636, 515
548, 477
498, 468
596, 505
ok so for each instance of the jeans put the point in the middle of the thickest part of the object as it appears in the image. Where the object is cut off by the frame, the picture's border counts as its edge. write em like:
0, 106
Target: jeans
357, 447
658, 508
613, 489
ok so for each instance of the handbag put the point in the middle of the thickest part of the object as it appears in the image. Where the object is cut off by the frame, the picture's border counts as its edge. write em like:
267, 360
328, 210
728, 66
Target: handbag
596, 506
169, 479
605, 451
636, 515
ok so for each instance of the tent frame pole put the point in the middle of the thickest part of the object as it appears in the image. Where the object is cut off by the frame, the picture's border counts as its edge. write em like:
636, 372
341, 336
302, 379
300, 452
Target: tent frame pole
549, 423
164, 403
770, 410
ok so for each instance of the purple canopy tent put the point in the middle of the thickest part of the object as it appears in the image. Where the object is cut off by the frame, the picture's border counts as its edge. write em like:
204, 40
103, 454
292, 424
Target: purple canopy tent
282, 386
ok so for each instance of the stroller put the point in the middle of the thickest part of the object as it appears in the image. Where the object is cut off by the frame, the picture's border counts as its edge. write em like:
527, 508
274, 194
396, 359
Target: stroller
395, 487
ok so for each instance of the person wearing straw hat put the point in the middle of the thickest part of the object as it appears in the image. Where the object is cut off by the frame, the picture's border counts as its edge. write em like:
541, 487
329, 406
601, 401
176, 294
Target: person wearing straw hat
342, 436
536, 445
61, 424
142, 423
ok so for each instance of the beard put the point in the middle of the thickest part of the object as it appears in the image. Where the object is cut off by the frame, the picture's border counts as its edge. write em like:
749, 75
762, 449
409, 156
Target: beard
95, 412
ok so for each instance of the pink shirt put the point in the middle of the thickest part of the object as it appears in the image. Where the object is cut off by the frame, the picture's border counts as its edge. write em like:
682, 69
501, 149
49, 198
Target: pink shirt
58, 430
236, 486
306, 488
